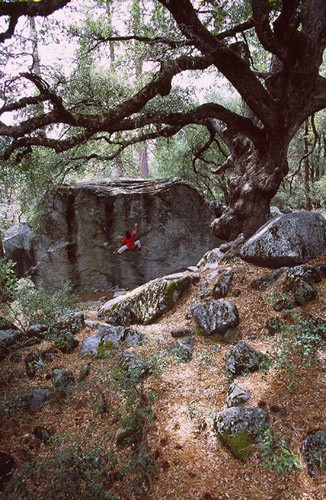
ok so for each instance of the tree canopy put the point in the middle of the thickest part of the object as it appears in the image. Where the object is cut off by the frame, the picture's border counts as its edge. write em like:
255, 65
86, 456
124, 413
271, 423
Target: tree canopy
176, 37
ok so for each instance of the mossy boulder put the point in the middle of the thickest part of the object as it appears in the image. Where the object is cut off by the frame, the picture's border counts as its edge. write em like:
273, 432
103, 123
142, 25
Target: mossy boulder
147, 303
240, 428
109, 338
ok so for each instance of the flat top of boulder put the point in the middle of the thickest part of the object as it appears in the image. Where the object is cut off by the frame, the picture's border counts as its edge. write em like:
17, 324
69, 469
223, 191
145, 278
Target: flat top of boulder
128, 185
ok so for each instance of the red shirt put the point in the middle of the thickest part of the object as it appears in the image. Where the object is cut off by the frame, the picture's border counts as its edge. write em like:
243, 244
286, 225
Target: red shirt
130, 242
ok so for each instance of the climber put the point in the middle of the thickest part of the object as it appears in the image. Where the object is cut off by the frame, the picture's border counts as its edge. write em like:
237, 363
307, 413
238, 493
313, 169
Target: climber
129, 242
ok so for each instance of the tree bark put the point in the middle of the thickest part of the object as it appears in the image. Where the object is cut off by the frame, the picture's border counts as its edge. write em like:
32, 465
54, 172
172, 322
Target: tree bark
254, 179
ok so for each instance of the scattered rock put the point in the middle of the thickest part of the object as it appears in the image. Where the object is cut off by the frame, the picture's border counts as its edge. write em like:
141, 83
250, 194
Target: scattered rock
287, 240
42, 434
34, 361
222, 287
210, 260
183, 348
314, 452
321, 269
243, 358
133, 366
236, 396
267, 280
7, 325
37, 398
216, 317
37, 331
61, 378
240, 428
72, 323
147, 303
8, 339
182, 332
66, 342
309, 274
109, 337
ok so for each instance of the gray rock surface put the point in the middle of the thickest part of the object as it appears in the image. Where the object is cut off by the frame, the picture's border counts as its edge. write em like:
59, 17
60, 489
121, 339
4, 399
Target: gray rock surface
147, 303
18, 246
236, 396
8, 338
314, 452
34, 361
222, 287
287, 240
243, 358
184, 348
77, 239
216, 317
37, 398
239, 428
114, 336
210, 260
61, 378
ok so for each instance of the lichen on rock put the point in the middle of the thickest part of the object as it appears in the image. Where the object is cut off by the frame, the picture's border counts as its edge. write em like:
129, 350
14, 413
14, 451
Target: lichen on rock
147, 303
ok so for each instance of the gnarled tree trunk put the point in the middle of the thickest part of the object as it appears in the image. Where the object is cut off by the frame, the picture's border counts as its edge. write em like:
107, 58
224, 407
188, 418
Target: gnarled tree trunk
255, 178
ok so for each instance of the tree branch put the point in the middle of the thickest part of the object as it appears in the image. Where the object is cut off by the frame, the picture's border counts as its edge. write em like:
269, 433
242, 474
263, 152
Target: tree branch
17, 9
231, 65
261, 11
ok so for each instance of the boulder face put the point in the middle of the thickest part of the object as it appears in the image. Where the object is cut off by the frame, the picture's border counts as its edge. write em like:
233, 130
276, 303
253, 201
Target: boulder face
77, 238
287, 240
147, 303
18, 247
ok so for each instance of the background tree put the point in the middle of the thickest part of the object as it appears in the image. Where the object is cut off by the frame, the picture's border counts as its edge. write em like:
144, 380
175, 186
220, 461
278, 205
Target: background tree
196, 37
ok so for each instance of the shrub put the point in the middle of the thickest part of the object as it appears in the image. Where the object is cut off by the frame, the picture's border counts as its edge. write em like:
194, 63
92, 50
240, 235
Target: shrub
7, 279
276, 455
33, 305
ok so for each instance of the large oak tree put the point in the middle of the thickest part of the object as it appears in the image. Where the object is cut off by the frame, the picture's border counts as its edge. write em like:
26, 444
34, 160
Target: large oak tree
276, 102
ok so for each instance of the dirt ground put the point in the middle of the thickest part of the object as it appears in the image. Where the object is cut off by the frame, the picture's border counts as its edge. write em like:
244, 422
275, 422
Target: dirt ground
190, 462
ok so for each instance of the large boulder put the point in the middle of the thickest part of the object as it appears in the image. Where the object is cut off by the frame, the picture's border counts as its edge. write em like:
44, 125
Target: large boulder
18, 246
76, 240
240, 428
287, 240
147, 303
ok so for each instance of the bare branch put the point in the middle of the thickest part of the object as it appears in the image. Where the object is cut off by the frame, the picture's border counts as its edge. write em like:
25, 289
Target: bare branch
231, 65
14, 10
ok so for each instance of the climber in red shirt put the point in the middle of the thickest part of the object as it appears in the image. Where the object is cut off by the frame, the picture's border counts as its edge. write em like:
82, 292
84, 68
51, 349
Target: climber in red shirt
129, 242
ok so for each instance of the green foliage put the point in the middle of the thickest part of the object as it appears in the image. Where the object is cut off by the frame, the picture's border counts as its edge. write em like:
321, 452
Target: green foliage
276, 455
33, 305
174, 157
75, 470
66, 342
298, 337
7, 279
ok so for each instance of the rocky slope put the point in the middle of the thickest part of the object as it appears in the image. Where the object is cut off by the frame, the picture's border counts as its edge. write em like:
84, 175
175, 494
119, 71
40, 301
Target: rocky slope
148, 432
